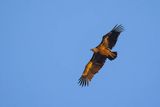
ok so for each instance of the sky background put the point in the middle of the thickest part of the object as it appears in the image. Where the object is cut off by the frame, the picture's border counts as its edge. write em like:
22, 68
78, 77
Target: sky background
45, 45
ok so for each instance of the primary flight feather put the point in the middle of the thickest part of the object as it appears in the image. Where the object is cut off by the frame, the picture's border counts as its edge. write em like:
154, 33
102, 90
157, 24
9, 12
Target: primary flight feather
100, 54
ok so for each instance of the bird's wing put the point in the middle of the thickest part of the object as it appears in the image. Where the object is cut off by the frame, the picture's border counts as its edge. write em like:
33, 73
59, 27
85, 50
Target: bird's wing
93, 66
110, 38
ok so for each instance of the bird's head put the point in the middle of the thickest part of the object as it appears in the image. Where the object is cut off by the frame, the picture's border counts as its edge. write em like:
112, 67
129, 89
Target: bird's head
95, 50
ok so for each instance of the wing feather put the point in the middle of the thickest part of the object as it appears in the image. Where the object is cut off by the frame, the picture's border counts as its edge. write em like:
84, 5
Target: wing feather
97, 61
110, 38
93, 66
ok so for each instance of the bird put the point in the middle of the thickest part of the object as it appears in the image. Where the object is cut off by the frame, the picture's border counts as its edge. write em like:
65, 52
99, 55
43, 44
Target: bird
100, 54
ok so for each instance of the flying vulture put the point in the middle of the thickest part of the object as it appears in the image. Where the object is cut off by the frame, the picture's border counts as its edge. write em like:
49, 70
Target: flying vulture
100, 53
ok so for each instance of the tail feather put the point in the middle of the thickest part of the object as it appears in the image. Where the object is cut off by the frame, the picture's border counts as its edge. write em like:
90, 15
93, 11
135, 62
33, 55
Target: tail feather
112, 58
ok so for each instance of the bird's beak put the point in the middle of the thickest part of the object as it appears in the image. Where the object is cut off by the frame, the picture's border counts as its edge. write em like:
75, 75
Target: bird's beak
92, 50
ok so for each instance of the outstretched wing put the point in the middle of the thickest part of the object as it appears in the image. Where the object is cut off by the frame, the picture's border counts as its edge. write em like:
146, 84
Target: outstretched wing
93, 66
110, 38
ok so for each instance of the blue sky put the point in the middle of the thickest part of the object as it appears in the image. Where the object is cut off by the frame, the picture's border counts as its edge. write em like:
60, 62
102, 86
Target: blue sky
45, 45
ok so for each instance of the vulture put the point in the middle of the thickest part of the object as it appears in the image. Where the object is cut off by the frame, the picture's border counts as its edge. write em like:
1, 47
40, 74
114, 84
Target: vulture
100, 53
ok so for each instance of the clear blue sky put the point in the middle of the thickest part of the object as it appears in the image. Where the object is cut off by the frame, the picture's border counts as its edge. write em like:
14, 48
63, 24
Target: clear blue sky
45, 45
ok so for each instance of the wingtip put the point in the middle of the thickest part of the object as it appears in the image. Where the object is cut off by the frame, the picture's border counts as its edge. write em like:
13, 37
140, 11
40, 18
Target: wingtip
83, 82
118, 28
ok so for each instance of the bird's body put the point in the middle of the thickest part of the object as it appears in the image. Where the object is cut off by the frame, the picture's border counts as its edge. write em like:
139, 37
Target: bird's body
103, 50
100, 54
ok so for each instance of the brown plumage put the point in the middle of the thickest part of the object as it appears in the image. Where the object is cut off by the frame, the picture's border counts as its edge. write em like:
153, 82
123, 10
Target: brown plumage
100, 54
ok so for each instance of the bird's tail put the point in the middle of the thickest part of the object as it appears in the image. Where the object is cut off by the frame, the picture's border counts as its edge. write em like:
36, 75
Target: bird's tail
114, 55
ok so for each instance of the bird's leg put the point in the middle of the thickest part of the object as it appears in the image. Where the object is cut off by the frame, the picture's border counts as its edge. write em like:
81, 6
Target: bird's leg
111, 54
107, 52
